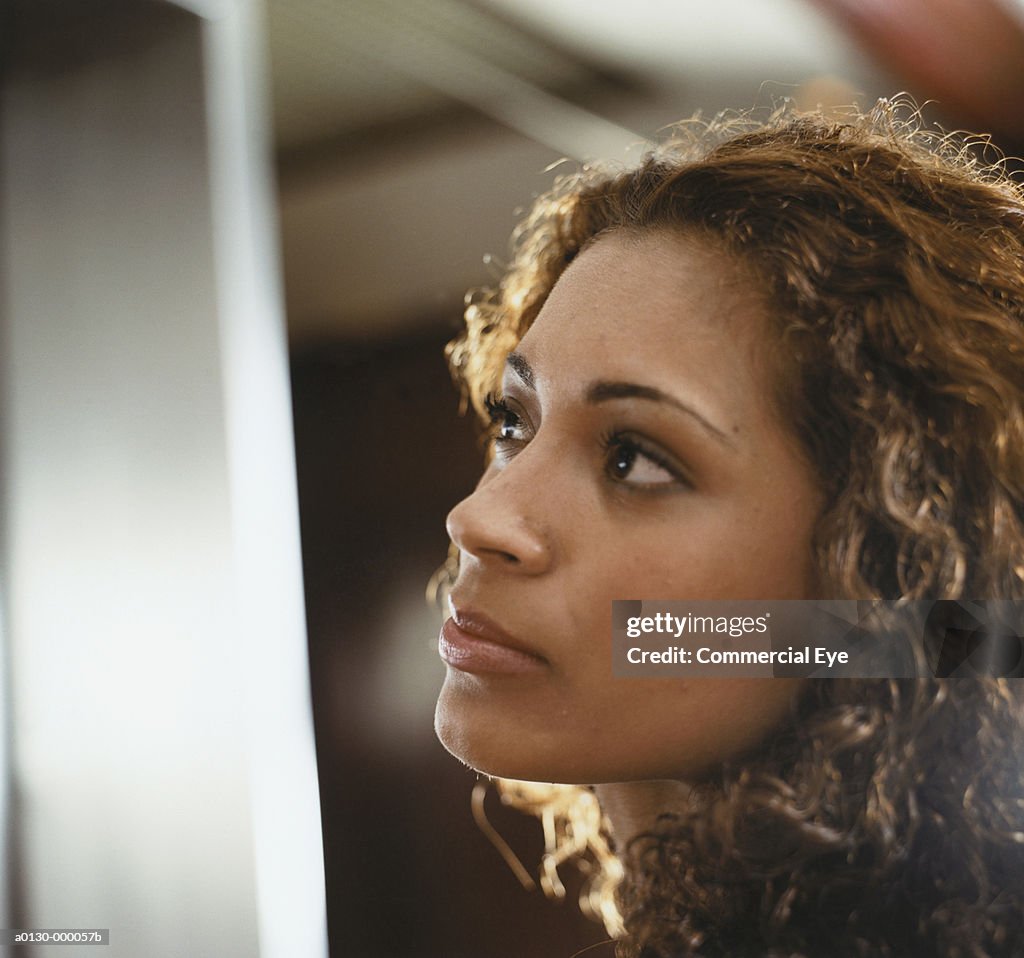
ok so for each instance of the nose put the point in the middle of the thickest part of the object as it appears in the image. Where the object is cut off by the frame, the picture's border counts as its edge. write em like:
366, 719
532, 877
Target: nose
494, 525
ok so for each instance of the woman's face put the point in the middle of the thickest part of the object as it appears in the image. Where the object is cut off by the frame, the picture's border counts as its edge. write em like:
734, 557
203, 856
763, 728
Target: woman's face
639, 457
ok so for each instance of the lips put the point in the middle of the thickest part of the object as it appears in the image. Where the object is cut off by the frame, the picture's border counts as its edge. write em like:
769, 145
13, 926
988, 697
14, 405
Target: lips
471, 642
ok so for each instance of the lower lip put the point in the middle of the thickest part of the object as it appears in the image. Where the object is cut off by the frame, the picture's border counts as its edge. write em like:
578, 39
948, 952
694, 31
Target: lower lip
470, 653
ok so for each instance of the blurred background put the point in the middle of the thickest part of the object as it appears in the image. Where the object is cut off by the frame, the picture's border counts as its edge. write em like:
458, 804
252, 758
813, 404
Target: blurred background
215, 209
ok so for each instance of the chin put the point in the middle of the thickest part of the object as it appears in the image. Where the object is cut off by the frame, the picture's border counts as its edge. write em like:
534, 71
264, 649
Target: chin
489, 746
467, 742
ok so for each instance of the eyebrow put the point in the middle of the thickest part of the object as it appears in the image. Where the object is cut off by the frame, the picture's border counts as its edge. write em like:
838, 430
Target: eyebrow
522, 369
605, 391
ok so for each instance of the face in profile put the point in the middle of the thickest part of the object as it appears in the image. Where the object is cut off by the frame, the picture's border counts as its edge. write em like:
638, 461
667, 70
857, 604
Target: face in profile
639, 455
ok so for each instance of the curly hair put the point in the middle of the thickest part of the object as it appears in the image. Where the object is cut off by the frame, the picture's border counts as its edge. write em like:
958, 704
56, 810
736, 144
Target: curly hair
887, 816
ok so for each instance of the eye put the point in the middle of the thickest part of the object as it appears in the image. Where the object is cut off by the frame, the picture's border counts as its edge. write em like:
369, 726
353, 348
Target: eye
507, 426
630, 461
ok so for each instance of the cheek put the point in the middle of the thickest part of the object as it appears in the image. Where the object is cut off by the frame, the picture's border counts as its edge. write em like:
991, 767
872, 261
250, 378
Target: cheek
720, 551
721, 564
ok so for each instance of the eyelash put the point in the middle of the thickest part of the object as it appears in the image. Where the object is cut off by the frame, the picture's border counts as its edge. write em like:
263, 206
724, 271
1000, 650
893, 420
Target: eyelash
503, 416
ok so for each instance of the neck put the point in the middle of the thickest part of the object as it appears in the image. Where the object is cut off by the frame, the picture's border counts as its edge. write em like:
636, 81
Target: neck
632, 808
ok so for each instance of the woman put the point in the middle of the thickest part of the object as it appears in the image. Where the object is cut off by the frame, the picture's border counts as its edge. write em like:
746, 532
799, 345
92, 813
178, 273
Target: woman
778, 360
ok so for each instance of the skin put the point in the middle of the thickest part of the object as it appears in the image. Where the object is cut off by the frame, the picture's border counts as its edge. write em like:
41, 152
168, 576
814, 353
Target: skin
714, 500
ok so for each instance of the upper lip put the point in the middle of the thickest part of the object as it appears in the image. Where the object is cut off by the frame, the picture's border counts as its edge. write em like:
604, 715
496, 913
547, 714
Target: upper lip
484, 627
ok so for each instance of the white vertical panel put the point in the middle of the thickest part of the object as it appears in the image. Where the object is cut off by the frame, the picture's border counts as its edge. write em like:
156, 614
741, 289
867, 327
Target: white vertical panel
261, 469
150, 559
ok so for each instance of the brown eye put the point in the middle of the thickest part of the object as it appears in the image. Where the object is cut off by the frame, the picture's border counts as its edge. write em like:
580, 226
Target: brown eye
507, 425
631, 463
621, 461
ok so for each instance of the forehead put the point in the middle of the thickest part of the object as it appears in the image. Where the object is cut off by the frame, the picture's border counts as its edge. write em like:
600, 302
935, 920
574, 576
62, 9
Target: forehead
658, 308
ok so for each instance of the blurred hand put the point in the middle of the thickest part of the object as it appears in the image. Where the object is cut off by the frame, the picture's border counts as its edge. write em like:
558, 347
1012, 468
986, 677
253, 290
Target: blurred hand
968, 55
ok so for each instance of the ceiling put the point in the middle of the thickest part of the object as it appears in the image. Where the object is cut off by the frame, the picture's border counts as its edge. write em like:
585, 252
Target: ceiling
408, 132
343, 68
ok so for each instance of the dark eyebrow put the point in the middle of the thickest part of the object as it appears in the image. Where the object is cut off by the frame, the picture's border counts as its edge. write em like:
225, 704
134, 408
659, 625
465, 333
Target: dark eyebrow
604, 391
522, 369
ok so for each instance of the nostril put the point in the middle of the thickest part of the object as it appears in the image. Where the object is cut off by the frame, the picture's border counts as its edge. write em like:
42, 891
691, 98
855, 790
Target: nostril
494, 552
489, 526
